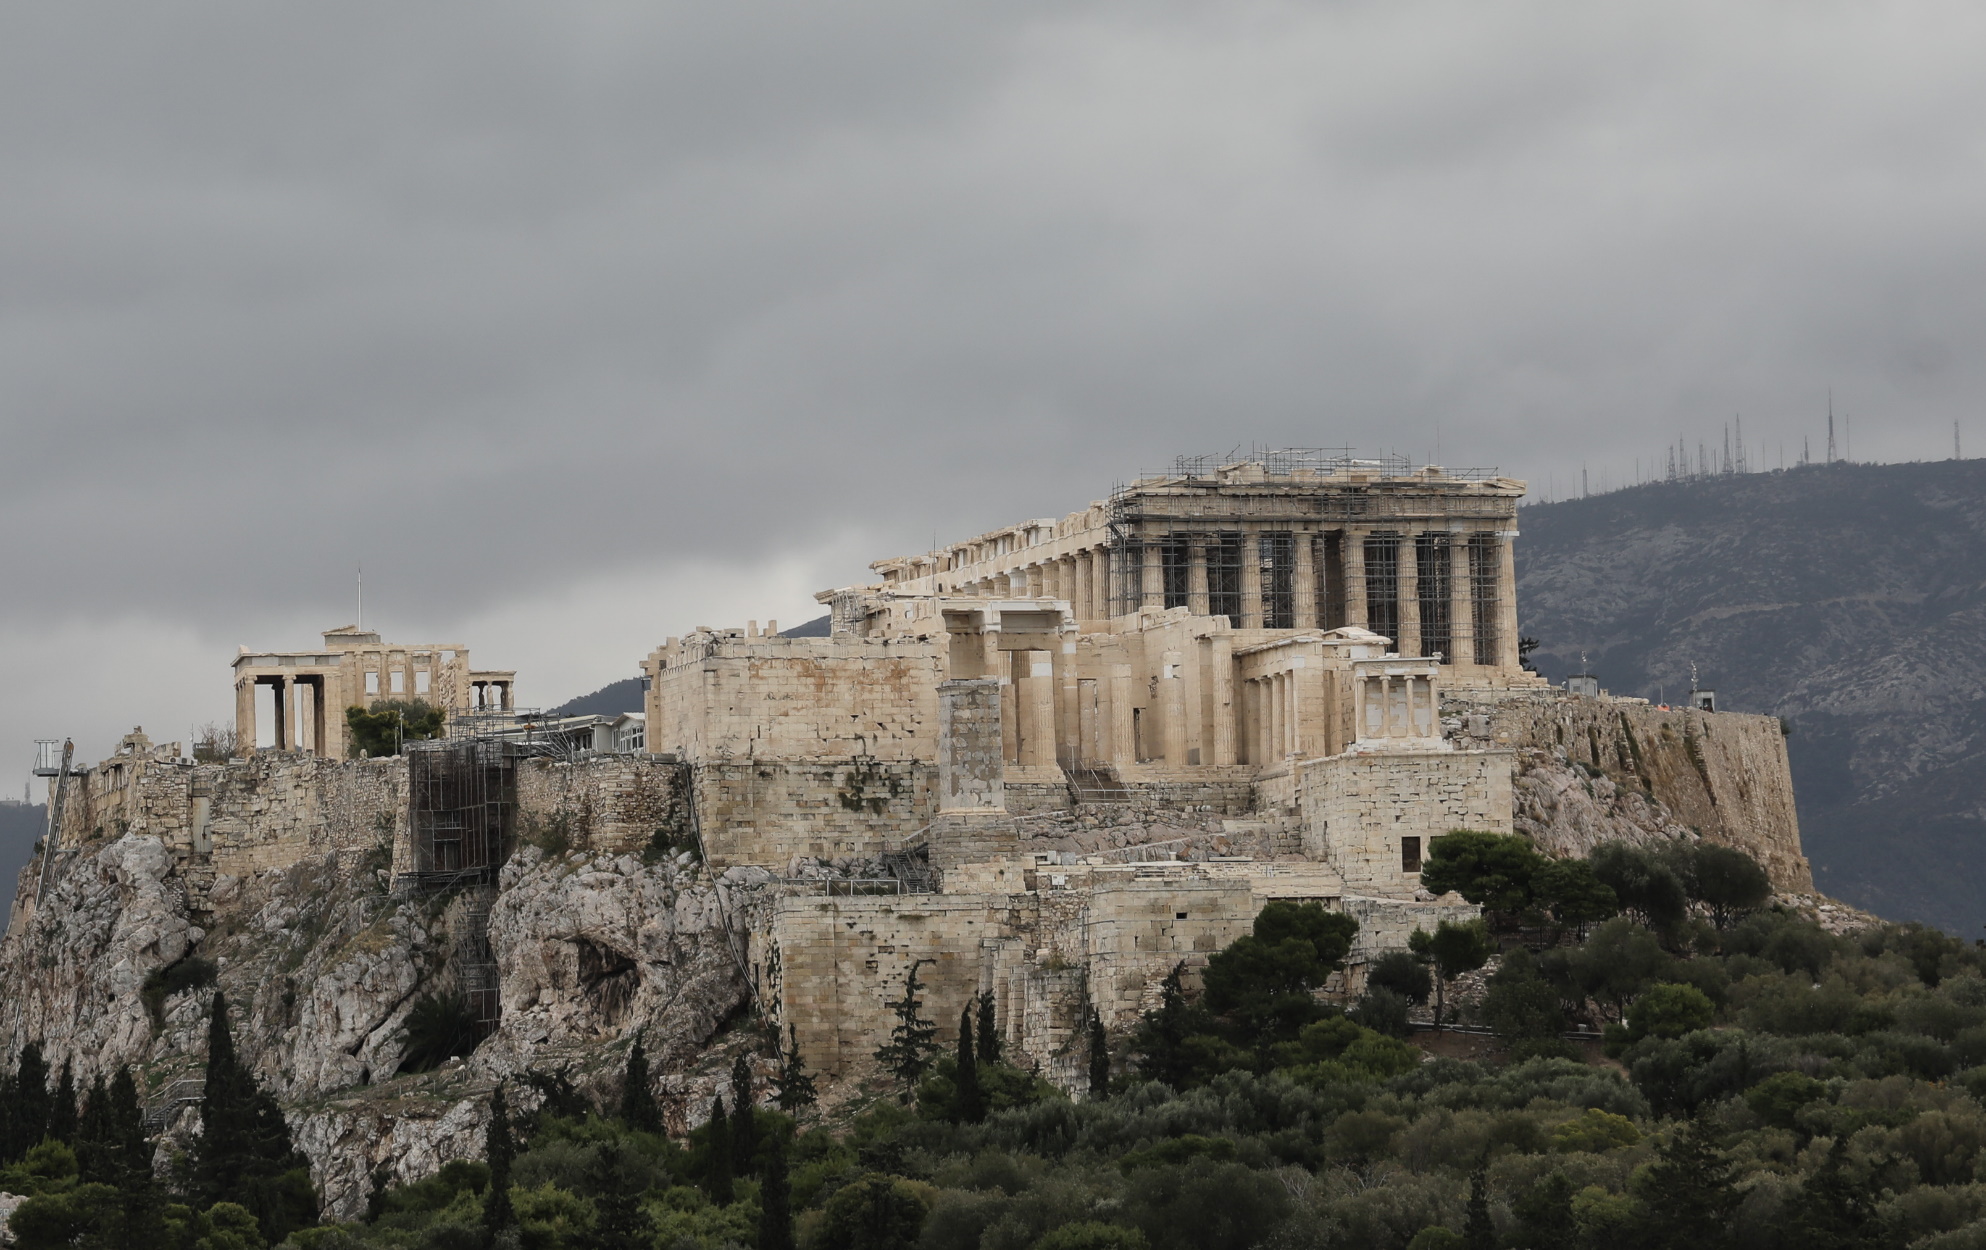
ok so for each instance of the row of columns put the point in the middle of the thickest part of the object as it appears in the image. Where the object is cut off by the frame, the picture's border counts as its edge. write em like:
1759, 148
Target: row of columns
1084, 580
292, 732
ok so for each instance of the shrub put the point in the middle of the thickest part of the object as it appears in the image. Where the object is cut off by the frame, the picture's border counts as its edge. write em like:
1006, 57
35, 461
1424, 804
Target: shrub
1494, 870
1669, 1010
190, 973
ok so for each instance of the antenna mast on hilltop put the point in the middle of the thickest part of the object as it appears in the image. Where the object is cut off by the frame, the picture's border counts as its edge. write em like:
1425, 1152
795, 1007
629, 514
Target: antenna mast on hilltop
1830, 425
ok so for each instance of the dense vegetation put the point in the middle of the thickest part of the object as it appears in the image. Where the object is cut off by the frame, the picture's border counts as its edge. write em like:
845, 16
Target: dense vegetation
382, 728
1760, 1082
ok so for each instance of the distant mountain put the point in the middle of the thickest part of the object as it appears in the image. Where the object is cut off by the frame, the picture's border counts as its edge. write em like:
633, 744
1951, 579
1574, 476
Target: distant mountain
1848, 599
625, 696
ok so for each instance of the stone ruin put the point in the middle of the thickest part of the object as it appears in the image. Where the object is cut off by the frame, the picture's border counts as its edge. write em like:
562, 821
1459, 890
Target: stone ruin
1048, 763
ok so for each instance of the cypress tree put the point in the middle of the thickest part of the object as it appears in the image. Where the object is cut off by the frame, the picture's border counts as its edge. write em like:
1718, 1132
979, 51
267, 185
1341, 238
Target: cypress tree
95, 1156
1688, 1192
744, 1129
776, 1204
31, 1102
499, 1151
971, 1104
638, 1109
1478, 1233
793, 1088
1099, 1057
244, 1152
717, 1174
62, 1119
907, 1055
988, 1039
129, 1152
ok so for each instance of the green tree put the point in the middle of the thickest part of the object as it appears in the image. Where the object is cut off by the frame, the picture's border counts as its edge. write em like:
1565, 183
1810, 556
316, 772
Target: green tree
1687, 1192
1165, 1038
499, 1151
1401, 973
1099, 1057
1544, 1215
1730, 883
1093, 1235
744, 1127
616, 1177
380, 730
1478, 1233
1452, 949
913, 1040
62, 1115
717, 1168
1669, 1010
969, 1104
244, 1153
1644, 883
776, 1203
638, 1109
1265, 981
877, 1212
31, 1103
1573, 893
1524, 1008
1836, 1209
1493, 870
1616, 963
793, 1088
94, 1154
988, 1039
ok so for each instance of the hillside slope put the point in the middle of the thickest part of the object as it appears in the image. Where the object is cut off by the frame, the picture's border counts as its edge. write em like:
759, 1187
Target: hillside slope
1849, 599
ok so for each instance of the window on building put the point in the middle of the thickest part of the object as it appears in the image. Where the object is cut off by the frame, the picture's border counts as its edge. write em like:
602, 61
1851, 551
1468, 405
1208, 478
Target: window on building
1410, 854
372, 683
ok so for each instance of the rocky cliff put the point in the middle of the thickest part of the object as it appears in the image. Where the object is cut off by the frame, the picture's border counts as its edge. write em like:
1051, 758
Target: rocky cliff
324, 963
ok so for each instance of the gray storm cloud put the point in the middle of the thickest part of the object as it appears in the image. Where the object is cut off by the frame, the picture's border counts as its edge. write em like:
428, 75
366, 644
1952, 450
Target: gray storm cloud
506, 301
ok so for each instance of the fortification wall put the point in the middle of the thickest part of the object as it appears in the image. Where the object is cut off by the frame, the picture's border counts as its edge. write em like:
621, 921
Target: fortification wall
767, 813
1721, 775
717, 699
1359, 809
609, 803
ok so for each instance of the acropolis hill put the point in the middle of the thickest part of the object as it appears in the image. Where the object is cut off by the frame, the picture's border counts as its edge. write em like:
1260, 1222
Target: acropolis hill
1048, 763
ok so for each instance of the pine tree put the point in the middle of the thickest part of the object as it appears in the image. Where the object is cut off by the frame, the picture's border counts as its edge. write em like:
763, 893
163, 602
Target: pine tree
638, 1109
793, 1089
62, 1118
1099, 1057
499, 1151
1688, 1192
971, 1103
907, 1055
31, 1103
717, 1172
744, 1129
776, 1204
989, 1030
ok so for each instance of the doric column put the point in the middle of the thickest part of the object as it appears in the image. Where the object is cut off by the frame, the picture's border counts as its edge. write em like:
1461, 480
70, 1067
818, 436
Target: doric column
1461, 603
1221, 660
1352, 549
1152, 567
1251, 579
286, 731
1123, 742
1037, 699
1196, 579
1305, 591
1082, 605
1035, 579
1506, 600
1409, 641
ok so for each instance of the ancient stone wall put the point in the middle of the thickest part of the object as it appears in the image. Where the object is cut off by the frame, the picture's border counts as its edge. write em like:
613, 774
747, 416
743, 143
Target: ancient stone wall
769, 813
1359, 809
608, 803
716, 698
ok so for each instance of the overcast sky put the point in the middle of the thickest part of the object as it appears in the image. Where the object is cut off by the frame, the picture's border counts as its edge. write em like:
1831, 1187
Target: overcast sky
582, 324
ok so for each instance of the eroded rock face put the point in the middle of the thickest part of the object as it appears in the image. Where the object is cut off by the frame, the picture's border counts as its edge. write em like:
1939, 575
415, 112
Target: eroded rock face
321, 964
